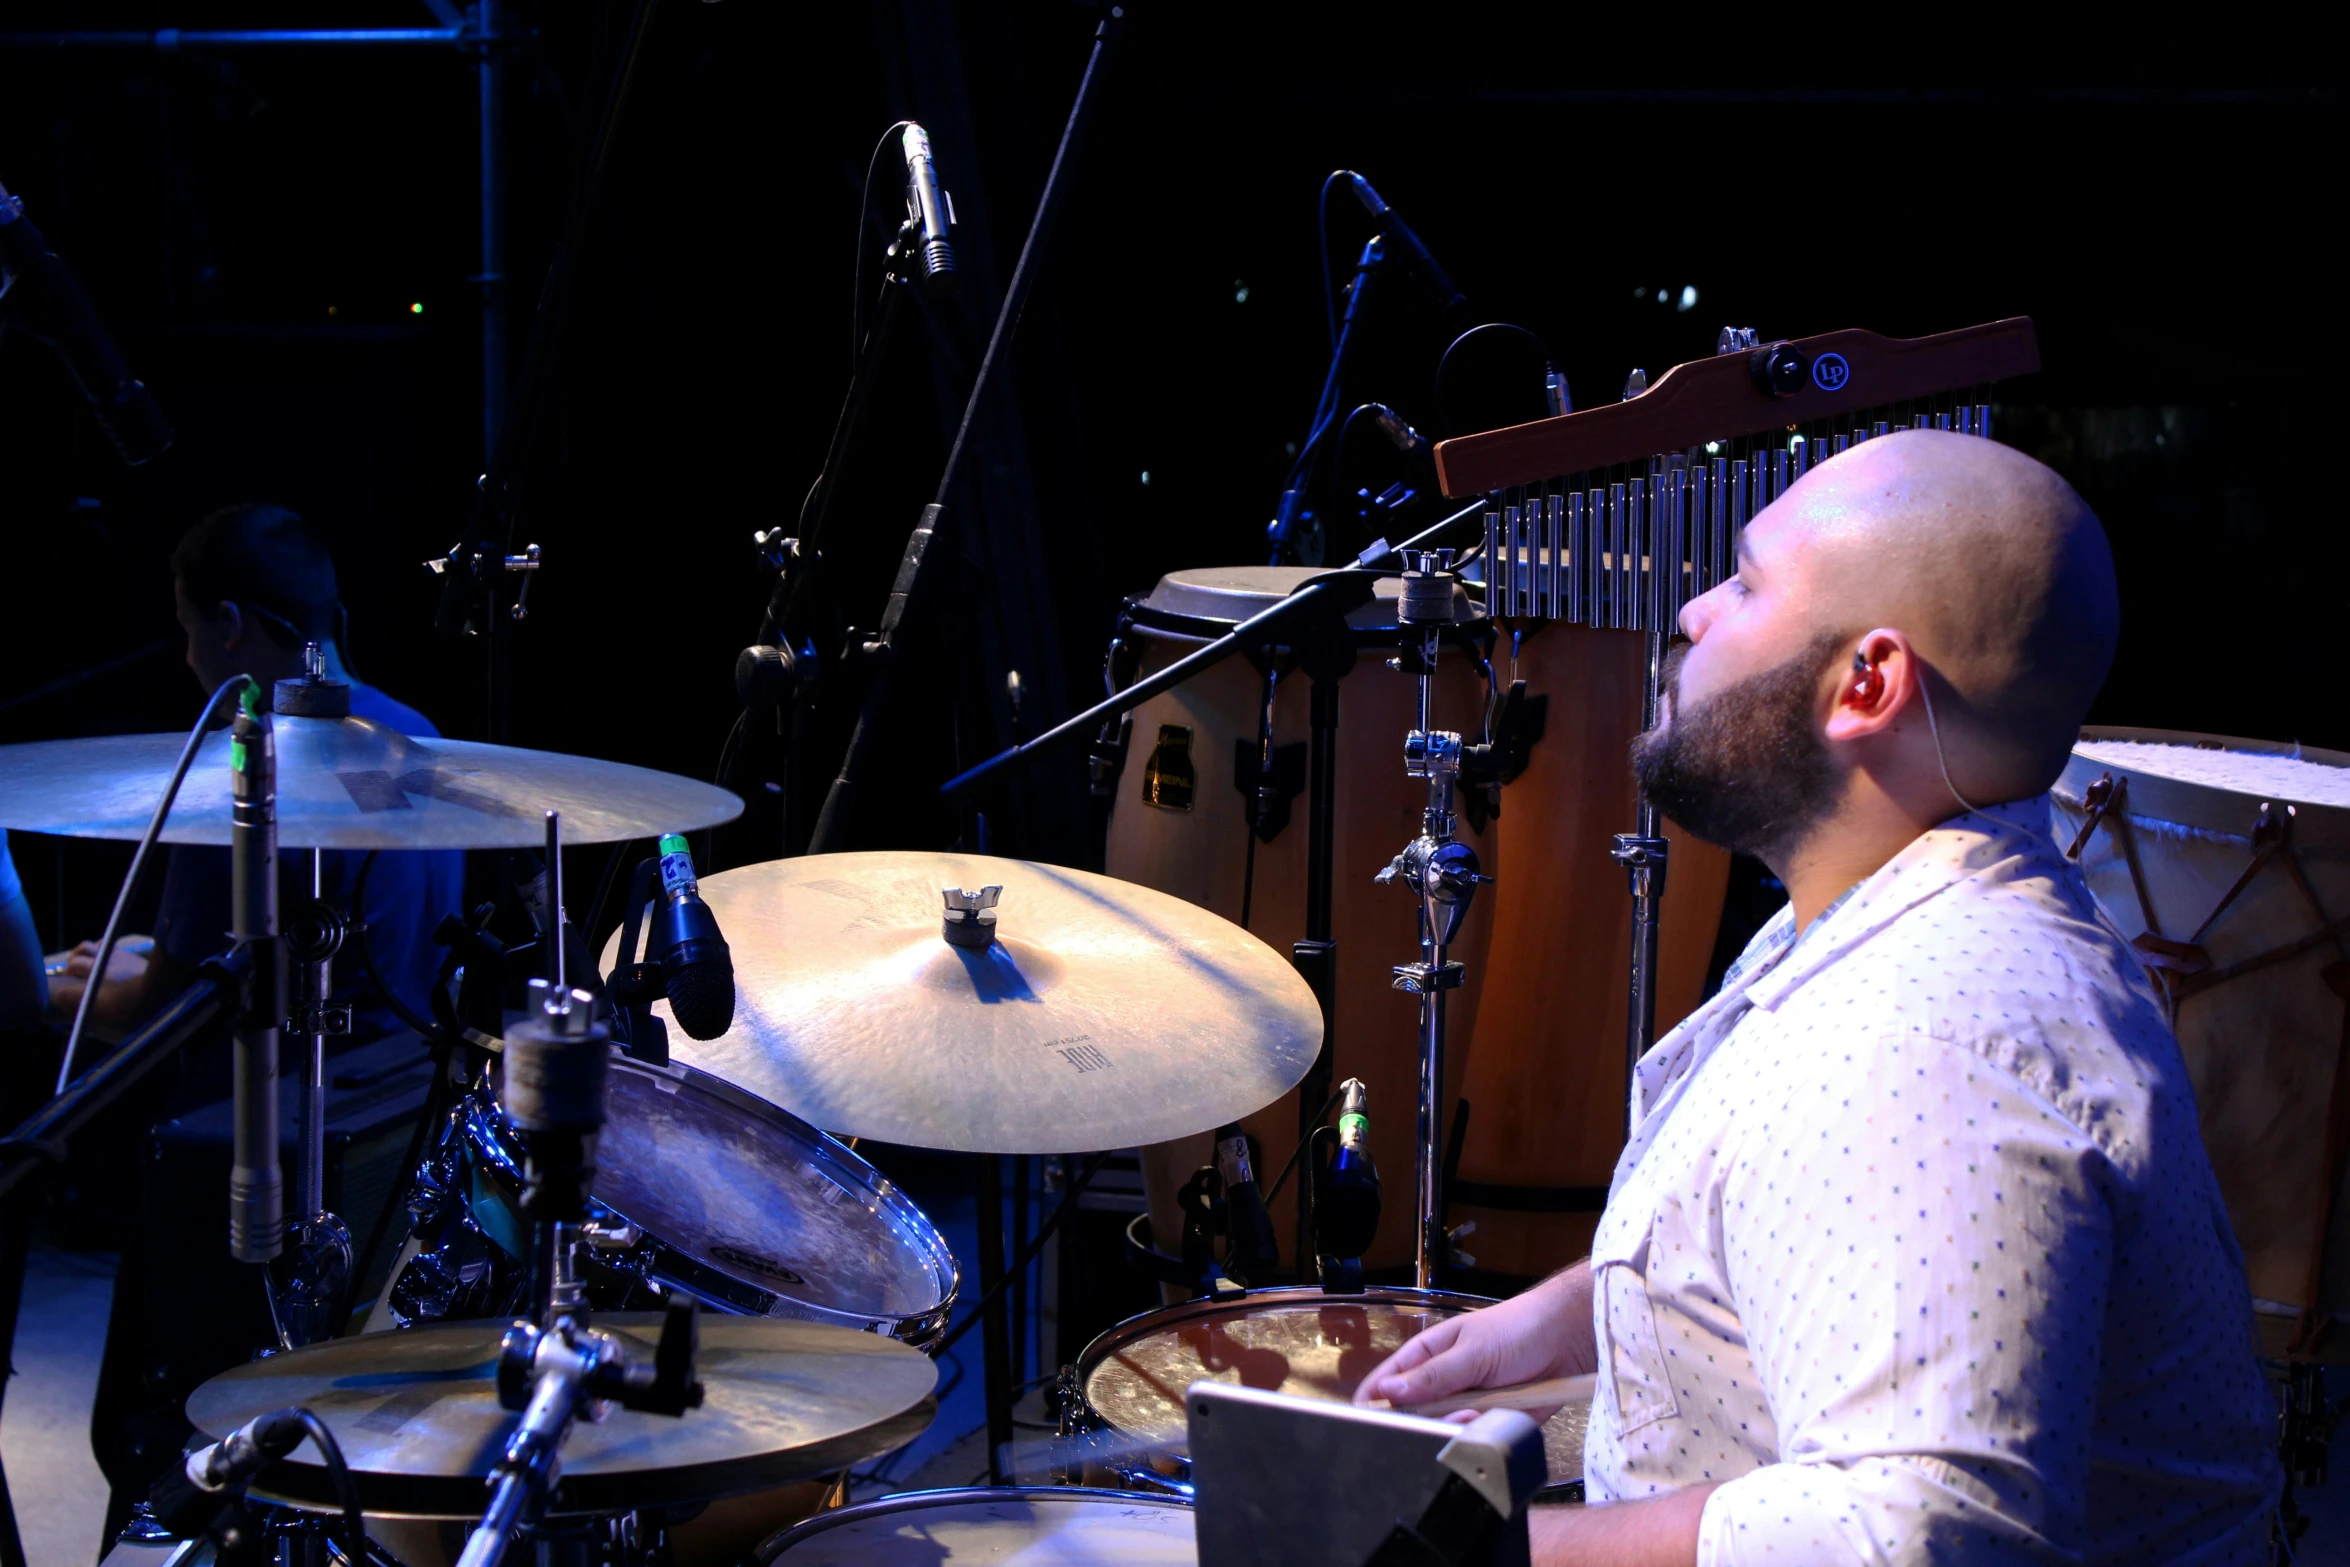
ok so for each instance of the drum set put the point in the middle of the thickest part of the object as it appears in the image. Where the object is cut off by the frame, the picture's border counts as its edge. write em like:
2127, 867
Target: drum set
940, 1001
988, 1006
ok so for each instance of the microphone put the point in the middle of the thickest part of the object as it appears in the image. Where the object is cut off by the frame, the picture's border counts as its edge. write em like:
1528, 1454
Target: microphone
1250, 1251
932, 208
48, 303
685, 935
1449, 298
199, 1497
1346, 1204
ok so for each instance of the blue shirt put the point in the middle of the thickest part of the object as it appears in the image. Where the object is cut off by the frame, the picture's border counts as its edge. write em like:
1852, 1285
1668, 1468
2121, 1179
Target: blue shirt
407, 893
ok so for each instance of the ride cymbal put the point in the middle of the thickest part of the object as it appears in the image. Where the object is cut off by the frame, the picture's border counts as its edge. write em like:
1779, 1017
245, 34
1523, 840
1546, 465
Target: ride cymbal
350, 783
1095, 1013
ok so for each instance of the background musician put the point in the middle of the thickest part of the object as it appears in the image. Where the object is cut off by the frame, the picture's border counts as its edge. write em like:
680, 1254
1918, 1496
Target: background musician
252, 583
1914, 1253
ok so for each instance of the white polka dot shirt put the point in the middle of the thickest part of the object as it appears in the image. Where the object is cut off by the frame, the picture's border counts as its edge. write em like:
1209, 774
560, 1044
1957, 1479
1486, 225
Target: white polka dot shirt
1916, 1247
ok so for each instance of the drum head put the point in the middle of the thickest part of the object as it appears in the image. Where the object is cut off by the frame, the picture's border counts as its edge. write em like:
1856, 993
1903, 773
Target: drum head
1211, 600
756, 1194
1033, 1526
2216, 783
1297, 1341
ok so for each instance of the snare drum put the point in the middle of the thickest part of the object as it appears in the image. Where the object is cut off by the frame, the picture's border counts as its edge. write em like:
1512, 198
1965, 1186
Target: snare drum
1003, 1526
699, 1187
1123, 1411
2188, 845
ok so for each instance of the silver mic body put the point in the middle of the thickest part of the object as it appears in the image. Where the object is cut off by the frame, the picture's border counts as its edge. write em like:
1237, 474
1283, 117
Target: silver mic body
256, 1207
929, 207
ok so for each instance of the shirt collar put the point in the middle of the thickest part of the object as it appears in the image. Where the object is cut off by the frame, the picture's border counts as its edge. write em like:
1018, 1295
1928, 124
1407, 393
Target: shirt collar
1937, 859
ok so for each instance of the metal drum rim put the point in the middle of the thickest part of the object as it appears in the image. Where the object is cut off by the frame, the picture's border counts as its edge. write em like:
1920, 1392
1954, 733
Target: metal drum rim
2209, 807
1110, 1339
1174, 625
776, 1544
886, 1198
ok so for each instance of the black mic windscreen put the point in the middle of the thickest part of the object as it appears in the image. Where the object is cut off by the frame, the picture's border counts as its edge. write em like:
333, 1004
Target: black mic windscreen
701, 995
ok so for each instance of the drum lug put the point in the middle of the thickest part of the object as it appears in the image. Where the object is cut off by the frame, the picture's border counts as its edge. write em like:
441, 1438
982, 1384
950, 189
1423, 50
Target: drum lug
622, 1237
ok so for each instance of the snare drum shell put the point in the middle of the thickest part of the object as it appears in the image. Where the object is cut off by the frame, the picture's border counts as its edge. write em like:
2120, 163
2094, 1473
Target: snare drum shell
2263, 1049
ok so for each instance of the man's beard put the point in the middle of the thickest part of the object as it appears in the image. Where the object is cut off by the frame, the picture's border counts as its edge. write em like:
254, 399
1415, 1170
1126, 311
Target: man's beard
1747, 768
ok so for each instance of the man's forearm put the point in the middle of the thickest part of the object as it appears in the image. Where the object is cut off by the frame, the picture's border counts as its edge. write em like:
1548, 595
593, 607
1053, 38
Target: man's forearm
1661, 1533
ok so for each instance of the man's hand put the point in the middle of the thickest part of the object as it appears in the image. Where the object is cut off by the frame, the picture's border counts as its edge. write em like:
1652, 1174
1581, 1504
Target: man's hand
129, 960
1545, 1332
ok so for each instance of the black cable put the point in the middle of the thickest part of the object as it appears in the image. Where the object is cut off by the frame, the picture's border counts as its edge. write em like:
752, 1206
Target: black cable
1322, 229
130, 881
1444, 363
346, 1489
1328, 1105
1034, 1249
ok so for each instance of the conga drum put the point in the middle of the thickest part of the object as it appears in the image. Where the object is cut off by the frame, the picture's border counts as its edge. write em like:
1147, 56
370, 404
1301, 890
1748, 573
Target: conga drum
1536, 1032
2227, 864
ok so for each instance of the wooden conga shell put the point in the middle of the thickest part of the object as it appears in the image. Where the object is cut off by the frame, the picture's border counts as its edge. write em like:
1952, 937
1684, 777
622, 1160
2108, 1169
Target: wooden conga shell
1200, 855
1545, 1070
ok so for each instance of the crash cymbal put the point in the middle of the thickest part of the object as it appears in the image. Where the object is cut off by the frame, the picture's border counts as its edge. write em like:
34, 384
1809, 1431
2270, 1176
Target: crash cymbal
1100, 1015
418, 1419
348, 783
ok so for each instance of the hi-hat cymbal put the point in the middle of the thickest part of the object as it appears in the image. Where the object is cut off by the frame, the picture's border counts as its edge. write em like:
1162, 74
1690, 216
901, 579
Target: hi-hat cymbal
1102, 1015
417, 1415
349, 783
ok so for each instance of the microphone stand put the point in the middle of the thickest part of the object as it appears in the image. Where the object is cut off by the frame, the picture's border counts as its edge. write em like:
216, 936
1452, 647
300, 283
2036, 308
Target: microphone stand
832, 821
1358, 296
779, 673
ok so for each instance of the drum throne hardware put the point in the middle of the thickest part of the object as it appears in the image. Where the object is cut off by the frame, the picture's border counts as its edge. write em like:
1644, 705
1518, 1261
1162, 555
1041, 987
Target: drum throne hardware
1442, 872
1618, 516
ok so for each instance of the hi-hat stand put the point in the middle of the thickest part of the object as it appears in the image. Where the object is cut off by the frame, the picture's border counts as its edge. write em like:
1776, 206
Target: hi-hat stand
552, 1366
1442, 871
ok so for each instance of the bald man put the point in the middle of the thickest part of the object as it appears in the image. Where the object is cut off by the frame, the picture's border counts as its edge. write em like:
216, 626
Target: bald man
1914, 1254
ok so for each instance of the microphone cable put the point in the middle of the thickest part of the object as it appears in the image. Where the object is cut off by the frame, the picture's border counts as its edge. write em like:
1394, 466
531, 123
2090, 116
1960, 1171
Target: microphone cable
130, 880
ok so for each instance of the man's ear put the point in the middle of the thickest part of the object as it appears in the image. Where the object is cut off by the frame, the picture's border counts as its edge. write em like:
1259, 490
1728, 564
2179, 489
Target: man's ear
232, 637
1874, 684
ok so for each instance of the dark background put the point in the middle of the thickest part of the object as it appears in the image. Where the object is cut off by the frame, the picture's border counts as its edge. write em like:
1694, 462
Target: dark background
259, 228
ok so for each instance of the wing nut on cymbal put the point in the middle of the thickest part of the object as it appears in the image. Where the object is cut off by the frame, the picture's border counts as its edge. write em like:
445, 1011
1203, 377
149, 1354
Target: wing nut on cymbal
970, 920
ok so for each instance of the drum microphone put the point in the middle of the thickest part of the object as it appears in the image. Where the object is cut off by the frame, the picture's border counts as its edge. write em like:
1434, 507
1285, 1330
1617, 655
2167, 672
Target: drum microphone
1449, 298
685, 936
1250, 1251
934, 210
1346, 1199
48, 303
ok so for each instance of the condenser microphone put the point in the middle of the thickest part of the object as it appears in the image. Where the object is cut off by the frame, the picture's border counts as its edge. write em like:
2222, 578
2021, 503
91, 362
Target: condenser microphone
1346, 1203
930, 207
1250, 1252
40, 295
1407, 244
685, 937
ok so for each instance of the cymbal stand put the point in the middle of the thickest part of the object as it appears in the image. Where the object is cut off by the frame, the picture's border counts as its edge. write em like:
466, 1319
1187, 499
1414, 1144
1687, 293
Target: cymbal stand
310, 1280
1442, 871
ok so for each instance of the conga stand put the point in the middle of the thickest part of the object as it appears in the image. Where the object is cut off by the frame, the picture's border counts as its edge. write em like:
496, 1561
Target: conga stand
1642, 853
1443, 872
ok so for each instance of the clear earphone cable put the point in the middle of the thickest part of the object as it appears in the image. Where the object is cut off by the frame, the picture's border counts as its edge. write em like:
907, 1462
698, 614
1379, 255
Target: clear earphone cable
1925, 690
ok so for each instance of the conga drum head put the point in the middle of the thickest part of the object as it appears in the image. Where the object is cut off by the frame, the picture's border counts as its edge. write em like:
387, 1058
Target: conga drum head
1211, 600
1004, 1526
